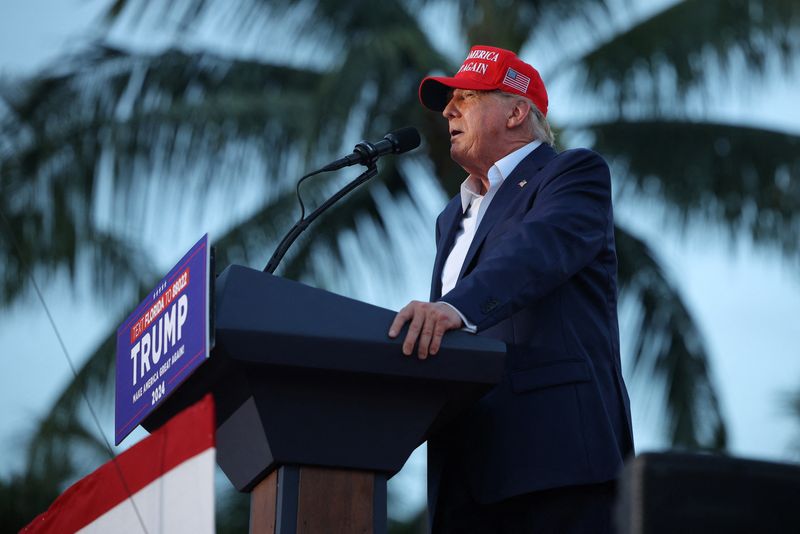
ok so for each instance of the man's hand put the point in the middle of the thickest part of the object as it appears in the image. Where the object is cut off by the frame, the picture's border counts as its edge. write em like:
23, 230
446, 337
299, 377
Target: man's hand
431, 320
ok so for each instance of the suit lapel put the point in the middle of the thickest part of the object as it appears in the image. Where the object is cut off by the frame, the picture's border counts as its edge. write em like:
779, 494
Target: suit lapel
450, 222
527, 169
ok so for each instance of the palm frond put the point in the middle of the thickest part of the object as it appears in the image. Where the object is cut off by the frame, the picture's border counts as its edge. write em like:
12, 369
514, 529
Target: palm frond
512, 24
119, 136
24, 496
669, 349
688, 44
67, 427
362, 214
743, 178
132, 102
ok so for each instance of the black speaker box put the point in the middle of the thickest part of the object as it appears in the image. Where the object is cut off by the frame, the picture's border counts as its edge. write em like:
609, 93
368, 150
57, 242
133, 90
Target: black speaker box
672, 493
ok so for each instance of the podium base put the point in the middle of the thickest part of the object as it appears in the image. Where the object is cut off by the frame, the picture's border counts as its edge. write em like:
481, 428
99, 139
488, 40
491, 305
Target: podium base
306, 499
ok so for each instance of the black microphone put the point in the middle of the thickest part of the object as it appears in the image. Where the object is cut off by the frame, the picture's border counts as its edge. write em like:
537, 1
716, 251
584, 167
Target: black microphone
396, 142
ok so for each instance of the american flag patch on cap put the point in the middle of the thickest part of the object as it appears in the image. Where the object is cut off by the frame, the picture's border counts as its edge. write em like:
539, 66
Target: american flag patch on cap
516, 80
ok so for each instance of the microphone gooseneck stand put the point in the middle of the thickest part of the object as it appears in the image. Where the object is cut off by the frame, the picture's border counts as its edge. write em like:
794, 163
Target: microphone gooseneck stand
302, 224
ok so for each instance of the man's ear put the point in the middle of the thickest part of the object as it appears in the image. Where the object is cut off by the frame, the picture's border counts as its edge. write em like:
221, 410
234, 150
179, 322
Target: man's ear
518, 113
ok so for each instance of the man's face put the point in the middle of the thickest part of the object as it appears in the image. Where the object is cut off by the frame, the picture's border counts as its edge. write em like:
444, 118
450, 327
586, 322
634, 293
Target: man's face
478, 126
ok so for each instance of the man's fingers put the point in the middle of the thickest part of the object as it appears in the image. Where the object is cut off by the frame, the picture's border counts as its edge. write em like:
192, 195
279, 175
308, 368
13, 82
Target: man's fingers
429, 322
427, 333
400, 319
438, 333
447, 319
413, 331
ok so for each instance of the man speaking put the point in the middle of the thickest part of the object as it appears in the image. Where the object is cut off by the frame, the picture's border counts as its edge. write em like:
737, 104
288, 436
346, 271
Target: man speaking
525, 254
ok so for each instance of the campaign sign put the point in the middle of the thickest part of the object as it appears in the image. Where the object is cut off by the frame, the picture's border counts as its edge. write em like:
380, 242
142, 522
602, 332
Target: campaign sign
164, 340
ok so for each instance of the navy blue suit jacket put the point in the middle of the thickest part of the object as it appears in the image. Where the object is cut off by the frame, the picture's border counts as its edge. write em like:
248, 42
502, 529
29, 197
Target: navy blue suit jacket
541, 276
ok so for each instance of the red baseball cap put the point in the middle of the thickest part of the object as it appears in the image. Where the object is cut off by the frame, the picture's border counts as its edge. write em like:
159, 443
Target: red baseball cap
486, 68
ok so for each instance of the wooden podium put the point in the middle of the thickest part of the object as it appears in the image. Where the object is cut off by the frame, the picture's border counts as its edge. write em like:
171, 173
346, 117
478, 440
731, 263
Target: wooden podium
316, 406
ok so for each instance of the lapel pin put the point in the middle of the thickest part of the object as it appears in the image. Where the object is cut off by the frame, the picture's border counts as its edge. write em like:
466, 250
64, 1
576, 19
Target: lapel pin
522, 183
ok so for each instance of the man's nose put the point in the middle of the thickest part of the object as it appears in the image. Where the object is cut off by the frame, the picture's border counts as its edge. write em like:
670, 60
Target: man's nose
450, 110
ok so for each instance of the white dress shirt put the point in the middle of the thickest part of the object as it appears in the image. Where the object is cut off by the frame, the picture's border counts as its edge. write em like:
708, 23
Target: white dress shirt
474, 206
